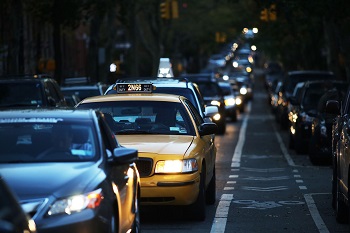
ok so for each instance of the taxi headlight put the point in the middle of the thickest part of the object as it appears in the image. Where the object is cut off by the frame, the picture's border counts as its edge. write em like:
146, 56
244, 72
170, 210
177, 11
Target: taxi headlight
176, 166
77, 203
215, 102
230, 102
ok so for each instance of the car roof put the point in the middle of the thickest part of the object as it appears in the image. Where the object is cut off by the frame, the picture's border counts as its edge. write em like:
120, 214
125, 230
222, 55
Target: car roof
301, 72
133, 96
66, 113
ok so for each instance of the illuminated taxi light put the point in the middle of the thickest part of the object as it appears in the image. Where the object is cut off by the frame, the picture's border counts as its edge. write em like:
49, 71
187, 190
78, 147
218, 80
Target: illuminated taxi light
217, 117
235, 64
238, 101
248, 69
230, 102
215, 102
243, 91
225, 77
77, 203
176, 166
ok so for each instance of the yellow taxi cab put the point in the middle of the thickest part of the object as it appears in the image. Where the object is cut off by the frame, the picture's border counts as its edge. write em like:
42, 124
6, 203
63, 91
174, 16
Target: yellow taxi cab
176, 150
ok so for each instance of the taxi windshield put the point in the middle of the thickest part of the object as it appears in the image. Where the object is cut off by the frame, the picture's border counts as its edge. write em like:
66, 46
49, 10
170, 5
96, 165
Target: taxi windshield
145, 117
28, 141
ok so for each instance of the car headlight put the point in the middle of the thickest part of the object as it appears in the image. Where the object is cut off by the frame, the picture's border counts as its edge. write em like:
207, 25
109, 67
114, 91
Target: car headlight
230, 102
243, 90
238, 101
215, 102
217, 117
176, 166
77, 203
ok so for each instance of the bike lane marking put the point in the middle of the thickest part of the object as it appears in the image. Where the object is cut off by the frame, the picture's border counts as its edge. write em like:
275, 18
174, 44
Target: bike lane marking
220, 219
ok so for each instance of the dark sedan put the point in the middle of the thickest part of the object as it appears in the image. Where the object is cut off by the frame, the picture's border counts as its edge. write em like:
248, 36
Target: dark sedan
69, 171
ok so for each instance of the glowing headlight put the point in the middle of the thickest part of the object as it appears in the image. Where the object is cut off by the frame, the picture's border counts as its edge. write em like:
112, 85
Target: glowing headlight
216, 117
215, 102
235, 64
230, 102
176, 166
238, 101
225, 77
77, 203
248, 69
243, 90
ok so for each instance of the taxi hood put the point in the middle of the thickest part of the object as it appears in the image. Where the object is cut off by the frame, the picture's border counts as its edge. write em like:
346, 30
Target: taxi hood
158, 144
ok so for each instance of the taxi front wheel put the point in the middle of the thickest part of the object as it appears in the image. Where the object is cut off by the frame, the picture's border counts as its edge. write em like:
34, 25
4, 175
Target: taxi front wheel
196, 211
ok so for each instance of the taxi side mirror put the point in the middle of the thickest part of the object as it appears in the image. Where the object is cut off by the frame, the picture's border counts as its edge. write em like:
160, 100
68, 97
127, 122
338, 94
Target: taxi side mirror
207, 128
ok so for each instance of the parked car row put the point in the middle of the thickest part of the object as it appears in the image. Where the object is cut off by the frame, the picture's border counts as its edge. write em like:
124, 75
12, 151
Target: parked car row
317, 106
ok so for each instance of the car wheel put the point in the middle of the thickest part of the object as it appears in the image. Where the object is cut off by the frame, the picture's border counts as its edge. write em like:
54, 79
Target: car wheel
298, 144
291, 141
234, 116
334, 185
196, 211
341, 212
136, 226
211, 190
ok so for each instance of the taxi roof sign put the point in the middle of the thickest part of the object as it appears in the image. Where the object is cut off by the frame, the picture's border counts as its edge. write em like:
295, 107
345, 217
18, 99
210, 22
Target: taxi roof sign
133, 87
165, 68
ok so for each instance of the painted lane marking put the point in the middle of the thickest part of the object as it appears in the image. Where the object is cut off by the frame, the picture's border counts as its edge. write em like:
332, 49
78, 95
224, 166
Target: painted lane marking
321, 226
263, 169
283, 148
265, 189
263, 205
219, 223
267, 178
302, 187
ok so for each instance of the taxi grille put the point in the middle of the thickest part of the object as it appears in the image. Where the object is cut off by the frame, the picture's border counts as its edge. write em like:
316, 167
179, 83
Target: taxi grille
144, 166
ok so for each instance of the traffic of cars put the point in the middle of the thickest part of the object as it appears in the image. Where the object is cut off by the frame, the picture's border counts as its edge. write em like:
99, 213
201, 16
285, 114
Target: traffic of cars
96, 144
176, 151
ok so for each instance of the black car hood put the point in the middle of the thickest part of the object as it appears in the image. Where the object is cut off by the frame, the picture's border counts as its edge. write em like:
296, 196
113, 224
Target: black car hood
44, 179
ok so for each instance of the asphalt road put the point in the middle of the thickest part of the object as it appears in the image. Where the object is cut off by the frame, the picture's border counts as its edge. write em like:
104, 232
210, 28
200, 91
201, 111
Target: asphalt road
262, 186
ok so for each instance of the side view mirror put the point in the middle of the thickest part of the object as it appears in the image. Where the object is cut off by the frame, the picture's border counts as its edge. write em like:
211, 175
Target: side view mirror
124, 155
332, 107
207, 128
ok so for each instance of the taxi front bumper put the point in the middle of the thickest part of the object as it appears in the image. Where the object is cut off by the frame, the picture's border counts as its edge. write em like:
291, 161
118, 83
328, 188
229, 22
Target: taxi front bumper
169, 189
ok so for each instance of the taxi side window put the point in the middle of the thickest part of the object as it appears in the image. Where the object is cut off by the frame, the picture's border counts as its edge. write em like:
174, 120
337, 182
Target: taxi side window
51, 92
198, 119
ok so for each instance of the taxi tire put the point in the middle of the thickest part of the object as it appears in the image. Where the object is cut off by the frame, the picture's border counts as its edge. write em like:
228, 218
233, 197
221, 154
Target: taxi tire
136, 227
197, 210
341, 212
211, 190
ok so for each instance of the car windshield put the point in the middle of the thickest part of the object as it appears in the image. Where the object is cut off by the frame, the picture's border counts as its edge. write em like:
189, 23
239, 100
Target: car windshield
145, 117
20, 94
82, 94
209, 89
178, 91
34, 140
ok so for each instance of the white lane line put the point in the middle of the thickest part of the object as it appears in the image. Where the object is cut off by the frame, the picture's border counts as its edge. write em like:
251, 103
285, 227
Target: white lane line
321, 226
283, 148
220, 220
